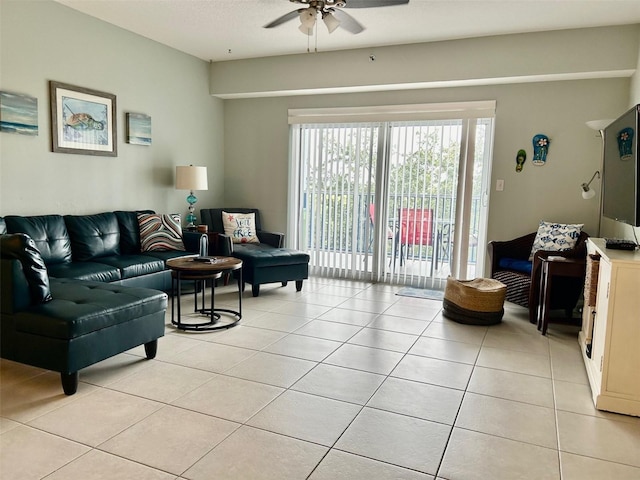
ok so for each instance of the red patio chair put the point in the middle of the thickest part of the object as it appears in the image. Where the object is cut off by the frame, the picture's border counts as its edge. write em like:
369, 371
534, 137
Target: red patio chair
416, 228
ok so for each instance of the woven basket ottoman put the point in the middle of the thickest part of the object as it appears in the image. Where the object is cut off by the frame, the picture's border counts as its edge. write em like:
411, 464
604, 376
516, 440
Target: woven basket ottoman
474, 302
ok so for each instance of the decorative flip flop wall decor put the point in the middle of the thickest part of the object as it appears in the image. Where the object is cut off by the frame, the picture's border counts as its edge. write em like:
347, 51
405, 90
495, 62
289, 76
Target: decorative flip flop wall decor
521, 157
540, 149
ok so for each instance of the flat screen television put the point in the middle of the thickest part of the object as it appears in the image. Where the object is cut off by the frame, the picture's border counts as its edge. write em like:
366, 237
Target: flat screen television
621, 169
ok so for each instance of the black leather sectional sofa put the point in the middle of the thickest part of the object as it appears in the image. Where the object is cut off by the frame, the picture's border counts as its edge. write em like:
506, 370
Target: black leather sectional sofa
77, 289
104, 247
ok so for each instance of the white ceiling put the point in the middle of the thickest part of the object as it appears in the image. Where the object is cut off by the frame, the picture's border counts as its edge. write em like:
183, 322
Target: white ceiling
221, 30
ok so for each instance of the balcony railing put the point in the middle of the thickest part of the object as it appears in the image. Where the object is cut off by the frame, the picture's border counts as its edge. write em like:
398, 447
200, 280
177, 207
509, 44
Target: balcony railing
345, 225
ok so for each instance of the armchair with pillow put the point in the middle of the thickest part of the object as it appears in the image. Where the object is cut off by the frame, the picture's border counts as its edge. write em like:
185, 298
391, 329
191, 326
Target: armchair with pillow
264, 258
517, 264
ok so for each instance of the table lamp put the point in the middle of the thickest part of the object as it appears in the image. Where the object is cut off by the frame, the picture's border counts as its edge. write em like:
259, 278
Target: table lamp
191, 178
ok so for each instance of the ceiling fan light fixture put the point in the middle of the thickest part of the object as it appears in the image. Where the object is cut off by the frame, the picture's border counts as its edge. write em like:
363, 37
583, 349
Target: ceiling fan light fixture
305, 30
308, 18
330, 21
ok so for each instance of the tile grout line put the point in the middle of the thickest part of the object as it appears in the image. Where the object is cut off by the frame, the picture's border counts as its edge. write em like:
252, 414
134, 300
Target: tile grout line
555, 410
464, 393
362, 407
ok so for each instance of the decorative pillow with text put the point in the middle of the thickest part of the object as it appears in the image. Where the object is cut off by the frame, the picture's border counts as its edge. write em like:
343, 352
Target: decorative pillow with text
160, 232
556, 237
241, 227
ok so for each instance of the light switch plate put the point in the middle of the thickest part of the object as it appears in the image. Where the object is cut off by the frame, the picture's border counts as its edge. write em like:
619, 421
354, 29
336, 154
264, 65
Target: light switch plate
499, 185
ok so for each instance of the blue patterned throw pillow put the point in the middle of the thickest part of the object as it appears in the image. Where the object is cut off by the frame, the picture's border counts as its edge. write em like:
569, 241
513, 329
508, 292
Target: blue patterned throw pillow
556, 237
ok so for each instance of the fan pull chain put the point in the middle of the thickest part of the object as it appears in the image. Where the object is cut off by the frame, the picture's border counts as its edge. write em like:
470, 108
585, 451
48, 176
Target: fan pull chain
315, 35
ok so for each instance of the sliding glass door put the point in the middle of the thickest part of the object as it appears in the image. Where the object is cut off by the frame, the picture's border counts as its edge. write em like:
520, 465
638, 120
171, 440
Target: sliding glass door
337, 179
387, 201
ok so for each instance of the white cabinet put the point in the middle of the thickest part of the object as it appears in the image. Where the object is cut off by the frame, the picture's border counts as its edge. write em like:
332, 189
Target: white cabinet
614, 366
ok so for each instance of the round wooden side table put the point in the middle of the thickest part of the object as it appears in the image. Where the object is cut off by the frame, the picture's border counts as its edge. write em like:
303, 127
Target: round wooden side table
201, 269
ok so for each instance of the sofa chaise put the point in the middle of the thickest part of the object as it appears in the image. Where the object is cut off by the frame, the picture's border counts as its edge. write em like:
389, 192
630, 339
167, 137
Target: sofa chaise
78, 289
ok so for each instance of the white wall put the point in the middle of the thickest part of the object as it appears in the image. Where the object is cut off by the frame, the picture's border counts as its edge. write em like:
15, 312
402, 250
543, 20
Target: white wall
43, 41
542, 56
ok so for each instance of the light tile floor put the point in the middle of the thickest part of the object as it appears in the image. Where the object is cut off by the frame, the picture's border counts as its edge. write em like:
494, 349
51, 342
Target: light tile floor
342, 380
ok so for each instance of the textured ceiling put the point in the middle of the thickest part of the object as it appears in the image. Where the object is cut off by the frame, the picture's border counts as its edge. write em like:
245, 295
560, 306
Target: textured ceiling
231, 29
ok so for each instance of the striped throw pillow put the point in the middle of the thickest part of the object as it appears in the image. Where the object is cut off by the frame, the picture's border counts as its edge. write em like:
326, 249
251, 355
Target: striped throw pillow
160, 232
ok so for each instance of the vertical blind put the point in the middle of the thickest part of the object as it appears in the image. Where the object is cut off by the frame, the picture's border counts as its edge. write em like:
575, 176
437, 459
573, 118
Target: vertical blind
337, 172
352, 182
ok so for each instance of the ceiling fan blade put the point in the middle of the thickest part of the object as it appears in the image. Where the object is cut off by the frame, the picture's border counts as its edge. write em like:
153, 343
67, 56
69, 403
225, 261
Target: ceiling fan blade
347, 22
373, 3
284, 18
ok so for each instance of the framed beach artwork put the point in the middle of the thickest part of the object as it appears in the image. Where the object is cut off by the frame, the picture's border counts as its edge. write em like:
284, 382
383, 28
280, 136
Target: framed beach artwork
83, 121
18, 114
138, 129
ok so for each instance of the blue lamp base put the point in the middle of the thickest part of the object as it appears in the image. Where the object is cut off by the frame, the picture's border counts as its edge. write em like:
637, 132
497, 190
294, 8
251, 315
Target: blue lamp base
191, 218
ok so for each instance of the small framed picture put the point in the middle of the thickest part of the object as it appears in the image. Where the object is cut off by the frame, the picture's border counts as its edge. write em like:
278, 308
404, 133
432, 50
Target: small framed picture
18, 114
138, 129
83, 121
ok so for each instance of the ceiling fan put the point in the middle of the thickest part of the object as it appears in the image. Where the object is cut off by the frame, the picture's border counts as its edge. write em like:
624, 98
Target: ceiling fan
331, 13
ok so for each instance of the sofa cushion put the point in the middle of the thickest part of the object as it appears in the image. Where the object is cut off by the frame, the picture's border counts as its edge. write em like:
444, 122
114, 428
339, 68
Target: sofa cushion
516, 264
555, 237
129, 230
241, 227
79, 308
134, 265
94, 271
166, 255
14, 294
160, 232
49, 232
93, 236
3, 226
21, 247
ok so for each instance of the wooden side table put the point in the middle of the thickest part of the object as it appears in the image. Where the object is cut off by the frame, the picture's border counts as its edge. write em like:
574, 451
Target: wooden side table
555, 266
188, 268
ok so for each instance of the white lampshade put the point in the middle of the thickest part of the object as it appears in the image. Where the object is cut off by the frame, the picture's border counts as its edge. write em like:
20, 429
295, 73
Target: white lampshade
588, 194
599, 124
305, 30
191, 178
587, 191
330, 21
